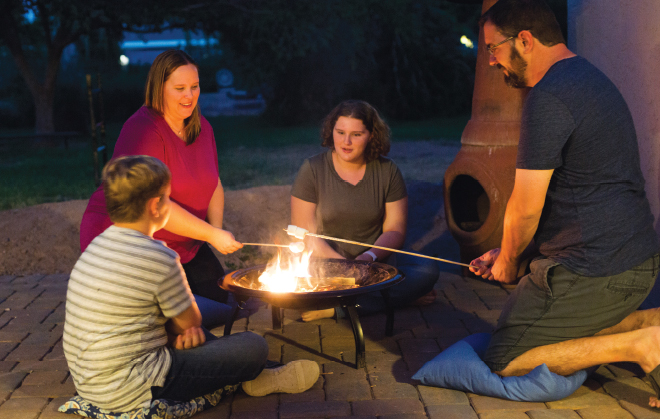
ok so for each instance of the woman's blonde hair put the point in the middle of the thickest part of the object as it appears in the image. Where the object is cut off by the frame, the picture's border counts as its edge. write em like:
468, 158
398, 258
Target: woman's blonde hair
129, 182
161, 70
379, 142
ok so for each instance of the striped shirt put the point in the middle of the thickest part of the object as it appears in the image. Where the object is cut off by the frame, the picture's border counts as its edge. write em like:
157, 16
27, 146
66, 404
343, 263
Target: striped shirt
121, 292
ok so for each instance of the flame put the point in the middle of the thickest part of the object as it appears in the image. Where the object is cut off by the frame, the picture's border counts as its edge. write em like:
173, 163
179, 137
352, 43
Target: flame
285, 276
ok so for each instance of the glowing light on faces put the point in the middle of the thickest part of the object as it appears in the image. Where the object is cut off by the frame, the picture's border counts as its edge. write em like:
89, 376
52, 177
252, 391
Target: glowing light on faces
513, 65
180, 94
350, 138
165, 206
515, 76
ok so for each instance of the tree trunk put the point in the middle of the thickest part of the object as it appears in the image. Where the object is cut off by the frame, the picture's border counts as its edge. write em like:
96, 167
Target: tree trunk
44, 96
43, 91
43, 108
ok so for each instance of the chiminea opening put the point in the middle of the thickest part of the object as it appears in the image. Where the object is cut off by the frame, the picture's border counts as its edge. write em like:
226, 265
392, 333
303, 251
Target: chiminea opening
469, 203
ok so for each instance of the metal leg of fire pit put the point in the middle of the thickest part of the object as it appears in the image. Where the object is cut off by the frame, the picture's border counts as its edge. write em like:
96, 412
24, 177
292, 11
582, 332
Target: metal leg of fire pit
360, 359
389, 312
240, 302
277, 318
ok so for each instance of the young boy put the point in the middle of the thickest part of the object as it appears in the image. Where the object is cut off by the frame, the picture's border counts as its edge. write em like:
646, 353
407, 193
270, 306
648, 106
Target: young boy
128, 292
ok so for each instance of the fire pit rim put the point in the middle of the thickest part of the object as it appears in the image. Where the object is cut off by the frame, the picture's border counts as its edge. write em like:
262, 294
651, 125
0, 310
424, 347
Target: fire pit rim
316, 299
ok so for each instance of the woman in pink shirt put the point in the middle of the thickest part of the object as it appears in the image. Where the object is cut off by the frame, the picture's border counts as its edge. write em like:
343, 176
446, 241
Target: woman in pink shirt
170, 127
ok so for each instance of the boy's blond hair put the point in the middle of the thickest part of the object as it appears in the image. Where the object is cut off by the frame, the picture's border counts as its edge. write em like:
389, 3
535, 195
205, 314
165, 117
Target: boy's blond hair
129, 182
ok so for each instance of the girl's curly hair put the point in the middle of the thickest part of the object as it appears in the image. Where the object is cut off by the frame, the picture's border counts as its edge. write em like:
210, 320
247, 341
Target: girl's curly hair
379, 142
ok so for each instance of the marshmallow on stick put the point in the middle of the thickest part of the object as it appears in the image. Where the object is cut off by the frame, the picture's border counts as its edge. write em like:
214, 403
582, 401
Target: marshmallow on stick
300, 234
295, 247
297, 232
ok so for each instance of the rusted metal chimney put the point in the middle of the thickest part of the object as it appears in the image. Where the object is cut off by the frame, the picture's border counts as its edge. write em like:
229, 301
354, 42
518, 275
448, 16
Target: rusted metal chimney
478, 183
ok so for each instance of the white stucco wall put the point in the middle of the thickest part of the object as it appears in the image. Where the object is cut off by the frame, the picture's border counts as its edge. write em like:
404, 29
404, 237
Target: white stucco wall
622, 39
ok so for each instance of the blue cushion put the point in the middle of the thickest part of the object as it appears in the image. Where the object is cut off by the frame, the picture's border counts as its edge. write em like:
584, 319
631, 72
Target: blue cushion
158, 409
460, 367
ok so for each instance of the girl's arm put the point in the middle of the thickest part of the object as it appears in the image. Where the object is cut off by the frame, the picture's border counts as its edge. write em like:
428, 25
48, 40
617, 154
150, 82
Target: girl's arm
303, 214
394, 230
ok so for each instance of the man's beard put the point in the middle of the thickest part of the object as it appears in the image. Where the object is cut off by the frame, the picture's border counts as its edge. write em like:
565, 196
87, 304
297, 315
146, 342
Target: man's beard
516, 75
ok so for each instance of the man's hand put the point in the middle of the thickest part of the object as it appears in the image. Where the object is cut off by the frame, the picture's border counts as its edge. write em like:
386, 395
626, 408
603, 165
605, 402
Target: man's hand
485, 263
190, 338
493, 268
224, 241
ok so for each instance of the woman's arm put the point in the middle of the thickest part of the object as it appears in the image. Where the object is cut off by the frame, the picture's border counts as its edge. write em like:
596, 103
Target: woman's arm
217, 206
394, 230
185, 224
303, 214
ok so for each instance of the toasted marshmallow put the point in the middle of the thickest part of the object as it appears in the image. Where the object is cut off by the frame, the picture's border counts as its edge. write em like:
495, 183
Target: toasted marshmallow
297, 247
296, 232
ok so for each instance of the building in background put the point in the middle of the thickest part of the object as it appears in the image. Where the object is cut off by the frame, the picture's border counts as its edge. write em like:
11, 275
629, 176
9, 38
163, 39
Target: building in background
142, 48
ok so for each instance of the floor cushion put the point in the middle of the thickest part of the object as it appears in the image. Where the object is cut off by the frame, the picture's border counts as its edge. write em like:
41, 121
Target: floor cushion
460, 367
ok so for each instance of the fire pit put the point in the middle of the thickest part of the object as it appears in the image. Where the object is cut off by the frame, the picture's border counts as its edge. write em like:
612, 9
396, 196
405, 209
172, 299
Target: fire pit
334, 287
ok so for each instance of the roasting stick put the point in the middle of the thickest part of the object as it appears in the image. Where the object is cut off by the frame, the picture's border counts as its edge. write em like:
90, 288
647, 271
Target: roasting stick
266, 244
301, 231
295, 247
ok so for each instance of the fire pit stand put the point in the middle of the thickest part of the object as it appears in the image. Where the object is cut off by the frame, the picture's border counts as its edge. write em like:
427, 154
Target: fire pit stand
369, 276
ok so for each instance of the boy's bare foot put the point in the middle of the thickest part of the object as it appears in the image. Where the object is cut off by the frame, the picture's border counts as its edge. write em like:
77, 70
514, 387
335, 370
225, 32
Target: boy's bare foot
308, 316
426, 299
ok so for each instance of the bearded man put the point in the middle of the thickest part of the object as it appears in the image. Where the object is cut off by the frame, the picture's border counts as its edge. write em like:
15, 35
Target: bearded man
579, 199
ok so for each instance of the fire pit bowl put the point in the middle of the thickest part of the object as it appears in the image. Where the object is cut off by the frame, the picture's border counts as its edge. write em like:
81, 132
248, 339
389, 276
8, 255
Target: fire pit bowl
369, 277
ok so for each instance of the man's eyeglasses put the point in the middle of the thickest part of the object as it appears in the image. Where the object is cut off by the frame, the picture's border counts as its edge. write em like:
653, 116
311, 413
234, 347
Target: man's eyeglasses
491, 48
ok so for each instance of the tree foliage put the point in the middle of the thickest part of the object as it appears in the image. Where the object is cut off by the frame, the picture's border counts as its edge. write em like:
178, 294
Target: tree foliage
304, 56
36, 32
404, 56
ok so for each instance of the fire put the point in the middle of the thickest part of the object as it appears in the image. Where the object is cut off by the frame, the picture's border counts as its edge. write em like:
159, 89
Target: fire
287, 276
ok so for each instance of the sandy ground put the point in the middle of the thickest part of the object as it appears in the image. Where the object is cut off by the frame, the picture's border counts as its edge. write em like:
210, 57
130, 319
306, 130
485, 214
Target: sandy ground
44, 239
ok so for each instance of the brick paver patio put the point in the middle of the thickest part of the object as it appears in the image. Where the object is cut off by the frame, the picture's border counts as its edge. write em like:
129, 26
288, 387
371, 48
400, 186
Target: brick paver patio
34, 379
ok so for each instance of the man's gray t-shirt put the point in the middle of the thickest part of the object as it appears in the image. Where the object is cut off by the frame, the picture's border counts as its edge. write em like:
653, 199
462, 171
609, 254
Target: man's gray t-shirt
596, 220
351, 212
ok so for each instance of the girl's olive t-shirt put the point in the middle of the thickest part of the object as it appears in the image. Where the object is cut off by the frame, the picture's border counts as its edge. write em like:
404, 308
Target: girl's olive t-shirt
351, 212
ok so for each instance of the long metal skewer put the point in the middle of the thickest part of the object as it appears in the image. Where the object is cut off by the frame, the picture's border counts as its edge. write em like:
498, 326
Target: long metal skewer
389, 249
266, 244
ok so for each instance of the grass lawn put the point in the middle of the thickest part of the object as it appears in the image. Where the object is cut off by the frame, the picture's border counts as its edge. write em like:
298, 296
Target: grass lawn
250, 153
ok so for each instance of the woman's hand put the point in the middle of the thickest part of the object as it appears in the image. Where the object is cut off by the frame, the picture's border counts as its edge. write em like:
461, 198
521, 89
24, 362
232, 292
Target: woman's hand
223, 241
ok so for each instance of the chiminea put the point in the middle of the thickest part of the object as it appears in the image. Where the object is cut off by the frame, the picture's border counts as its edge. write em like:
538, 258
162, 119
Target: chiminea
479, 181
